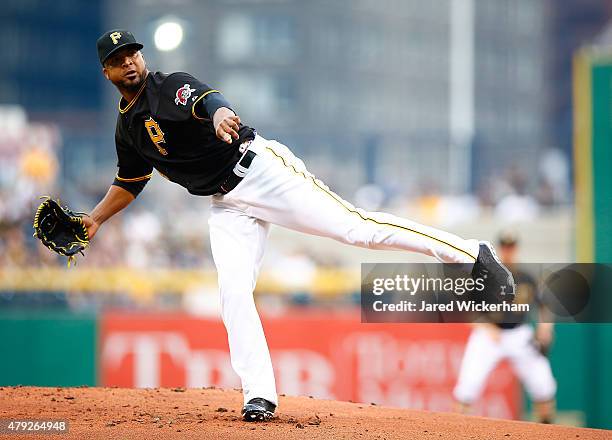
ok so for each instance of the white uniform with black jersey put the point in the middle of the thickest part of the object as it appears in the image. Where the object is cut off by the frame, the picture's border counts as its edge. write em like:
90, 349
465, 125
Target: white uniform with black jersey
168, 127
515, 342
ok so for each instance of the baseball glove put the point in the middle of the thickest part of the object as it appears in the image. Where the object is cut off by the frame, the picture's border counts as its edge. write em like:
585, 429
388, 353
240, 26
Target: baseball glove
543, 348
60, 229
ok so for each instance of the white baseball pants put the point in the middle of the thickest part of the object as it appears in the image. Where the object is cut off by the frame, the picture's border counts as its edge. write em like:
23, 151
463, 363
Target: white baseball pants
279, 189
482, 354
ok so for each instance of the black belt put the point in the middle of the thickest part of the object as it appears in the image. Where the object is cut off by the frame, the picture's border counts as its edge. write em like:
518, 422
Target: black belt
238, 173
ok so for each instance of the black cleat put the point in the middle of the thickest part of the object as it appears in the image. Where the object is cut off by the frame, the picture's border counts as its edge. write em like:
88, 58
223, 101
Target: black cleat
498, 281
258, 410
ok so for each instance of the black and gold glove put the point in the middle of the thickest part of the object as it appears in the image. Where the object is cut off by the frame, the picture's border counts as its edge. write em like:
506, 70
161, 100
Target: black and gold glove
60, 229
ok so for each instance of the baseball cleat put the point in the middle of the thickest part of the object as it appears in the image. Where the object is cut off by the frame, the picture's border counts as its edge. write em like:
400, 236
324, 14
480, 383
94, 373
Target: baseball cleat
498, 281
258, 410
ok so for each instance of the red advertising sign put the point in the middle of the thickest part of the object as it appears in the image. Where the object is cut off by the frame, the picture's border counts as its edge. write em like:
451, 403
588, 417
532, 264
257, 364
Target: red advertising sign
326, 355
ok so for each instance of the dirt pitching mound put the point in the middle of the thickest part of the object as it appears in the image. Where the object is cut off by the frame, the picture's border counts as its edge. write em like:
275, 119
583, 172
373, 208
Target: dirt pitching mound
104, 413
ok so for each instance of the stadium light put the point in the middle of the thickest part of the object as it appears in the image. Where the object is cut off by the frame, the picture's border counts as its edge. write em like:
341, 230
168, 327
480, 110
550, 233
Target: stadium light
168, 36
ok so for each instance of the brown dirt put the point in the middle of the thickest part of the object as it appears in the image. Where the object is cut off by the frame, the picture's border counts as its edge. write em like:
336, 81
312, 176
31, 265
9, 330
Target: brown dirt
103, 413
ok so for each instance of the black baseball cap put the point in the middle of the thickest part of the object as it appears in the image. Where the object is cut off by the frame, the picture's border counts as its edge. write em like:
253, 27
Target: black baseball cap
508, 237
114, 40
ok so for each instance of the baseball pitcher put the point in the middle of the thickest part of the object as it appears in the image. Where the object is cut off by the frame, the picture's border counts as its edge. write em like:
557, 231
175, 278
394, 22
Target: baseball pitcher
189, 133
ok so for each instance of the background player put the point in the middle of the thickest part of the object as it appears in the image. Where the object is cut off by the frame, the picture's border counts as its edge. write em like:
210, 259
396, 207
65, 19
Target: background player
188, 132
512, 338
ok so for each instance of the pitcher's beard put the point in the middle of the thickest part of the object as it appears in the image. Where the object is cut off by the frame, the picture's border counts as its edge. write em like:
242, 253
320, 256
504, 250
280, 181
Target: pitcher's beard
131, 86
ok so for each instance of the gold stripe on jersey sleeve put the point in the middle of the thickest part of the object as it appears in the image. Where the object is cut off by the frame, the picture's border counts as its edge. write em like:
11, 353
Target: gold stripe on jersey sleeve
133, 179
338, 199
198, 100
134, 99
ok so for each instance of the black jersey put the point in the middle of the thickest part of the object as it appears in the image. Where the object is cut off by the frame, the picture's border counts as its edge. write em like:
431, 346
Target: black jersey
168, 126
526, 293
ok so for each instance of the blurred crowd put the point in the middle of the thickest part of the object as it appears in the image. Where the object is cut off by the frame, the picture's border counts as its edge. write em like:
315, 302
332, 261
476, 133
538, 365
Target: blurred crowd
173, 234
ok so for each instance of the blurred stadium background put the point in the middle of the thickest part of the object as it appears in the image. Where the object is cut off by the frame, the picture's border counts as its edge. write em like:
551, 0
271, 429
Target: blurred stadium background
470, 115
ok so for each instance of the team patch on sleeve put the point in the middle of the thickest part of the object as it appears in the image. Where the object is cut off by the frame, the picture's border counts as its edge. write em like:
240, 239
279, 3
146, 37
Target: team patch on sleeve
177, 93
183, 94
